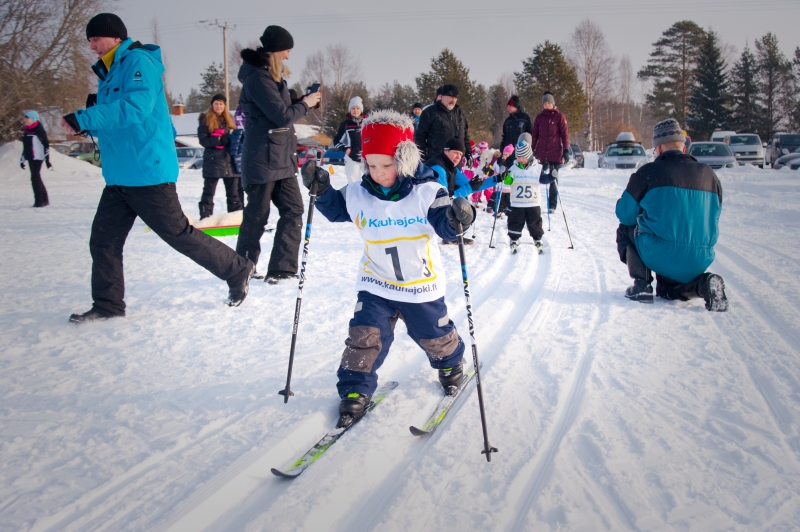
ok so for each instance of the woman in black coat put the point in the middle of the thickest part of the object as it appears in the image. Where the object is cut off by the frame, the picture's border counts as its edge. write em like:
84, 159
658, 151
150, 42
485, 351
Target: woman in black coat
213, 132
269, 160
35, 151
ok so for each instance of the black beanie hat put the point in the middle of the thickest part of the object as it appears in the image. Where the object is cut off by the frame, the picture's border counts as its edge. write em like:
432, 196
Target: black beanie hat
276, 39
220, 97
455, 144
106, 25
514, 101
417, 105
450, 90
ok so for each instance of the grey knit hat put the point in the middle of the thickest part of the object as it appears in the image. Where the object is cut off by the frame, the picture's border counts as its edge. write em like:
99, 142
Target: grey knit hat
548, 97
668, 130
526, 137
523, 149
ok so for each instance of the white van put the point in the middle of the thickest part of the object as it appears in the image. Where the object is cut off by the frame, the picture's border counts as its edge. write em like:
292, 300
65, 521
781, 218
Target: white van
719, 136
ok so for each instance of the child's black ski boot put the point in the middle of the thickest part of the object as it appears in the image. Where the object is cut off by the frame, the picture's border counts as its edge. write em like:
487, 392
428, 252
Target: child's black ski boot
451, 377
640, 291
352, 408
714, 293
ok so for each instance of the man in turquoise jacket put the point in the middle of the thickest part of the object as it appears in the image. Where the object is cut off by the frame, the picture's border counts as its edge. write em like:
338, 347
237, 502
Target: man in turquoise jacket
669, 223
130, 118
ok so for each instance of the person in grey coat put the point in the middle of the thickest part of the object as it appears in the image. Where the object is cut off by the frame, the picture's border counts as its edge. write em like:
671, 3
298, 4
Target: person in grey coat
269, 161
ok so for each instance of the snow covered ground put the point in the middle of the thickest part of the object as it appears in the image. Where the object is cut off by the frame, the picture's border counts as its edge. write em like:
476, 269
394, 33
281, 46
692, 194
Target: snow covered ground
608, 414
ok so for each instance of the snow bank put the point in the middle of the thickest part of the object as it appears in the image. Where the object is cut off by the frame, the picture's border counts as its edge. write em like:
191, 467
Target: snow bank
609, 414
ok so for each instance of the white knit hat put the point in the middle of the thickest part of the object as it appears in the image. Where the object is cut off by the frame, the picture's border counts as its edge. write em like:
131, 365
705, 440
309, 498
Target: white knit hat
355, 101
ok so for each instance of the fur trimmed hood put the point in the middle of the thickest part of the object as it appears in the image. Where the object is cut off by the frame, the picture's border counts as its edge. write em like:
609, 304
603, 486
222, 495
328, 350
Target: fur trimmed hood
255, 58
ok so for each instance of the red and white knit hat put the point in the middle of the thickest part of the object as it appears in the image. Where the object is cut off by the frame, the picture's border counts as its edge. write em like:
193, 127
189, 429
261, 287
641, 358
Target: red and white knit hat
390, 133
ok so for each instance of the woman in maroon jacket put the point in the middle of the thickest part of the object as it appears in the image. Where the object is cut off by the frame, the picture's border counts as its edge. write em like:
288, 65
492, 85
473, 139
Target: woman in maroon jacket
550, 141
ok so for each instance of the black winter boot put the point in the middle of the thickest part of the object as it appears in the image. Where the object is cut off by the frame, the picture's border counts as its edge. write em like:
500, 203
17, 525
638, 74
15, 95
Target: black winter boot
275, 277
714, 293
450, 378
352, 408
205, 210
239, 285
640, 291
93, 315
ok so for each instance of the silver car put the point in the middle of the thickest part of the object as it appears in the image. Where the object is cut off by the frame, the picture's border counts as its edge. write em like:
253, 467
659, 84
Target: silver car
791, 160
747, 149
715, 154
624, 155
191, 158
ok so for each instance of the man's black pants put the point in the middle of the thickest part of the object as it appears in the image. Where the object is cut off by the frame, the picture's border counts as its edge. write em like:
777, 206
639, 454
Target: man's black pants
159, 208
285, 194
519, 216
40, 198
640, 273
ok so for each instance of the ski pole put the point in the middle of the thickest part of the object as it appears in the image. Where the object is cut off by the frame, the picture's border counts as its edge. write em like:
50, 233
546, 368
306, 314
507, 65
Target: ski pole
565, 215
498, 192
487, 449
547, 199
312, 193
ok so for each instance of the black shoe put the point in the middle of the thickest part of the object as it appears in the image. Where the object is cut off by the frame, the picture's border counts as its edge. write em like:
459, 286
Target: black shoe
715, 293
468, 241
552, 210
640, 291
239, 285
539, 246
352, 408
93, 315
514, 246
451, 377
277, 276
257, 276
449, 242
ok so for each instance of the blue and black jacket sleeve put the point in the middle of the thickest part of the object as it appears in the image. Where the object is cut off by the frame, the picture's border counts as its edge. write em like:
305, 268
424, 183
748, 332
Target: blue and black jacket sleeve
333, 206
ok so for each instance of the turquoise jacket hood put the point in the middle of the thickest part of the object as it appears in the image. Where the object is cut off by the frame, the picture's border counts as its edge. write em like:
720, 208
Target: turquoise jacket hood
131, 119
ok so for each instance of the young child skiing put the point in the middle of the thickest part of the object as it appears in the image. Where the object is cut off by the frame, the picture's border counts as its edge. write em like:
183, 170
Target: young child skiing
399, 208
524, 182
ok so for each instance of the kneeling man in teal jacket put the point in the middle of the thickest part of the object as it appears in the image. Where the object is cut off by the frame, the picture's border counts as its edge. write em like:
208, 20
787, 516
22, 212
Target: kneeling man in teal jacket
669, 224
130, 119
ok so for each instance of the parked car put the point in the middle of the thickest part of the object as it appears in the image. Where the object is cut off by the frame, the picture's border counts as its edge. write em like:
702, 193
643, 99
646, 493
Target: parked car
191, 158
85, 151
747, 149
719, 136
577, 155
779, 145
790, 160
625, 153
715, 154
334, 157
305, 153
62, 148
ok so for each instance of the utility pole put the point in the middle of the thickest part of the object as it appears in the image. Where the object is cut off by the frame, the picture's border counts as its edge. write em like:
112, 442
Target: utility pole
224, 27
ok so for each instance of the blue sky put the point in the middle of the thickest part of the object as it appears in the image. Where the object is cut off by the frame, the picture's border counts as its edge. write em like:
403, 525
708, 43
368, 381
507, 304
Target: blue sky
397, 40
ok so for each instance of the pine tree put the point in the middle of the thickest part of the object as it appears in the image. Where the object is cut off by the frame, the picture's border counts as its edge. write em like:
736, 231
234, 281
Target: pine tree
548, 69
199, 100
744, 89
773, 74
709, 97
395, 96
670, 67
792, 94
446, 68
498, 108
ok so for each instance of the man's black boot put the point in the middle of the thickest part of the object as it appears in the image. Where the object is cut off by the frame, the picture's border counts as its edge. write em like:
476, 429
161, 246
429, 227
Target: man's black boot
641, 291
93, 315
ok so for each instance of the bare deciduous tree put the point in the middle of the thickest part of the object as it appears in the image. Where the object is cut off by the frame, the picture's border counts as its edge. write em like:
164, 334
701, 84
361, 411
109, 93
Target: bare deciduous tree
594, 63
44, 58
627, 79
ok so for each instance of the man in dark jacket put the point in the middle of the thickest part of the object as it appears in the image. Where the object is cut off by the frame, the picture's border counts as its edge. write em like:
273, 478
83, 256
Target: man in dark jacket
269, 161
140, 166
516, 123
669, 223
441, 122
550, 142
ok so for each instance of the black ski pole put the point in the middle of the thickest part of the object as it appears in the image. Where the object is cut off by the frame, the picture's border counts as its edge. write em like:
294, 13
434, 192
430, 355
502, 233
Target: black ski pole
565, 215
312, 193
547, 199
498, 193
487, 449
